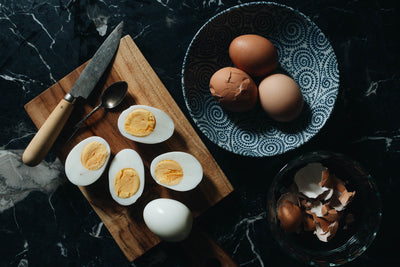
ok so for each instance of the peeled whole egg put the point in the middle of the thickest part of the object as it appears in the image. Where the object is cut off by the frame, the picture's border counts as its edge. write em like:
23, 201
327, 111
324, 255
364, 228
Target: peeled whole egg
280, 97
169, 219
233, 89
191, 168
74, 168
123, 160
253, 54
163, 127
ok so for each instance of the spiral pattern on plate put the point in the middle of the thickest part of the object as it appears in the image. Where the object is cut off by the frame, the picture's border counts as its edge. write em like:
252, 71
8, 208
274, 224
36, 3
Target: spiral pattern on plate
303, 58
222, 35
307, 80
320, 43
235, 19
263, 22
214, 112
271, 145
291, 139
330, 67
304, 53
195, 103
202, 76
208, 131
330, 100
319, 115
244, 139
294, 32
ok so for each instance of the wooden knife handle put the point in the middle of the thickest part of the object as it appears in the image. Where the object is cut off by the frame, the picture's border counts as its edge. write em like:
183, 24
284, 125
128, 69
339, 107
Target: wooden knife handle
47, 134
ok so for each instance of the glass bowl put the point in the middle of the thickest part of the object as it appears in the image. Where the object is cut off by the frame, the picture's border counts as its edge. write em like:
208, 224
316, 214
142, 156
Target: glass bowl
348, 243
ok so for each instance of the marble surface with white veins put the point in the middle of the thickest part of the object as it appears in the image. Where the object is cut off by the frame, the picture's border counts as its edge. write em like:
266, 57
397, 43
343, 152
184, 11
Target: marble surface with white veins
45, 220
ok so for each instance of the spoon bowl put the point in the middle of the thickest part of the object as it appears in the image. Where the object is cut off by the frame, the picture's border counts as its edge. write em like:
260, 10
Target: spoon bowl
111, 97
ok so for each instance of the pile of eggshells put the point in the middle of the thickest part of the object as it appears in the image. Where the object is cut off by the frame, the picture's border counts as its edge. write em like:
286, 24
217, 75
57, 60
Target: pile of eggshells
169, 219
316, 201
234, 88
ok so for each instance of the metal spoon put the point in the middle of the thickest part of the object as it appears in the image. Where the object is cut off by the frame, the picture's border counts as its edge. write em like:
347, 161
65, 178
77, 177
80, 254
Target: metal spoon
111, 97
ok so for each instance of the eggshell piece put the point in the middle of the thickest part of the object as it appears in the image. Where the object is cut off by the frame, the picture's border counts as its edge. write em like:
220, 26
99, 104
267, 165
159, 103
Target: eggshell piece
126, 158
169, 219
326, 180
233, 89
281, 97
308, 178
326, 231
254, 54
323, 198
332, 215
192, 170
164, 127
74, 169
317, 209
346, 197
306, 204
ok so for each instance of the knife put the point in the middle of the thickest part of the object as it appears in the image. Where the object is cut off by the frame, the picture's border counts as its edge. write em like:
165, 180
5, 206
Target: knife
48, 133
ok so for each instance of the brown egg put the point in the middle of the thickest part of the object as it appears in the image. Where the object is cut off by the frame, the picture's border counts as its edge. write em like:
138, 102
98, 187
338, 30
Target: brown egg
290, 216
280, 97
234, 89
253, 54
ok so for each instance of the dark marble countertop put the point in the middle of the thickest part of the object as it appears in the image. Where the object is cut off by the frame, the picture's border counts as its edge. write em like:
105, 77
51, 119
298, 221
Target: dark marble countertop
46, 221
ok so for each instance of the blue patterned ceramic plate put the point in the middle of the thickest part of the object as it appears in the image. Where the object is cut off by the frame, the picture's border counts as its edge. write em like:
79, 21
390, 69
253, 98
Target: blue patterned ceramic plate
304, 53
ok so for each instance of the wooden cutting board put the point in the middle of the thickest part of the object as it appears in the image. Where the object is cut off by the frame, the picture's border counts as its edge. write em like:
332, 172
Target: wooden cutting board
126, 224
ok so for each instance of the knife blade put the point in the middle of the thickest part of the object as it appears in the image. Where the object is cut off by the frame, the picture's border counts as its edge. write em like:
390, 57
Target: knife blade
84, 85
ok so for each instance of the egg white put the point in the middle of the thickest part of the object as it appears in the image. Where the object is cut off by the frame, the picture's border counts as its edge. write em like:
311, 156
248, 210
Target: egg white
192, 170
126, 158
169, 219
163, 130
76, 173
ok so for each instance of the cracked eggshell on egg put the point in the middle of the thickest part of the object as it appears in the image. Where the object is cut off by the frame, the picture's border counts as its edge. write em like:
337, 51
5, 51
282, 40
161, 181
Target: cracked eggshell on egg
163, 130
76, 172
126, 158
192, 170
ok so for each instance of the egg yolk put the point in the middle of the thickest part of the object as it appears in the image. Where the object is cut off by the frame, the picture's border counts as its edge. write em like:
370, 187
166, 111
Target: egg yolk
126, 182
168, 172
140, 122
94, 156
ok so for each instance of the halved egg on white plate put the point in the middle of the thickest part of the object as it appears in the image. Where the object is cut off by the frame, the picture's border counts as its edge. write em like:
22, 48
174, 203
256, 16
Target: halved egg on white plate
176, 170
126, 177
145, 124
87, 161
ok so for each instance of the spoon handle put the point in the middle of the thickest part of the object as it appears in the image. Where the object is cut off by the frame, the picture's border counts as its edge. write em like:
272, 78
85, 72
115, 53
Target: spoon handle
81, 122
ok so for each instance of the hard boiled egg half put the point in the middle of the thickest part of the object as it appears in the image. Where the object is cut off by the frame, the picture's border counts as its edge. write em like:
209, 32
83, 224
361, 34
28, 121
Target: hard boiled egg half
86, 162
126, 177
176, 170
145, 124
169, 219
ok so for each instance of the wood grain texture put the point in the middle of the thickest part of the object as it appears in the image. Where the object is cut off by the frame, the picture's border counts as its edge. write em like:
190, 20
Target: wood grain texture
126, 224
